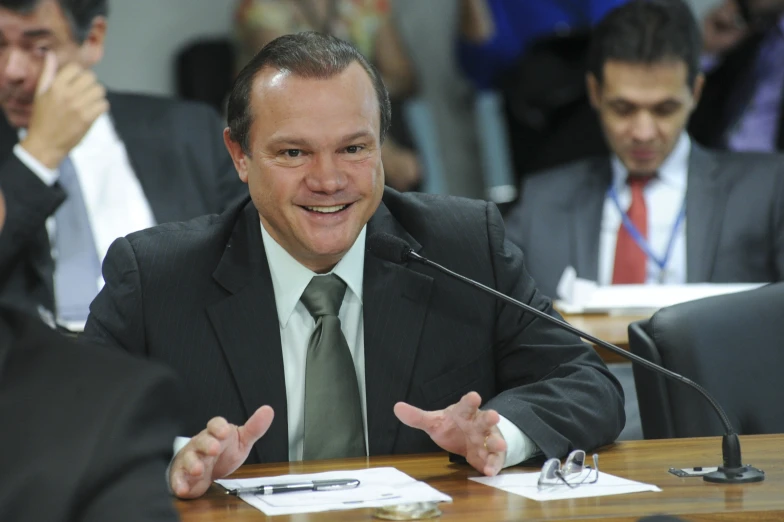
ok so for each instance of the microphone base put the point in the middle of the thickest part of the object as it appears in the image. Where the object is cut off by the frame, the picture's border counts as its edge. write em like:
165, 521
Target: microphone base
742, 475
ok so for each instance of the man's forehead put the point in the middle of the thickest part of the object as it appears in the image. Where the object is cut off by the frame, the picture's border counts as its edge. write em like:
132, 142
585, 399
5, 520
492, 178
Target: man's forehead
270, 77
663, 77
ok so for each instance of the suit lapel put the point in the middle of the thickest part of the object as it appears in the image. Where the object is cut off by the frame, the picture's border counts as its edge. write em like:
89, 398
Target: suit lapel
156, 164
395, 300
705, 201
8, 138
587, 205
246, 324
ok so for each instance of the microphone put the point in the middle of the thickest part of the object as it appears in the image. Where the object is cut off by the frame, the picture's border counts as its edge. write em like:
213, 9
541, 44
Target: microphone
392, 248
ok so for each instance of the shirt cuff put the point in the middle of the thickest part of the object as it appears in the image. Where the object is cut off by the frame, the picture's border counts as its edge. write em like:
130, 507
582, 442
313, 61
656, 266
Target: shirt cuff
179, 443
518, 446
47, 175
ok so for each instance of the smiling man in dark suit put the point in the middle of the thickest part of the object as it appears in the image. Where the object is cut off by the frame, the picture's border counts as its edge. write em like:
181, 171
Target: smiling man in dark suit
81, 167
276, 308
660, 209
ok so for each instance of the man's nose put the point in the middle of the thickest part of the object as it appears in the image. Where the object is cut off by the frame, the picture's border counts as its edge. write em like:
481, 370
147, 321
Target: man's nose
644, 127
325, 175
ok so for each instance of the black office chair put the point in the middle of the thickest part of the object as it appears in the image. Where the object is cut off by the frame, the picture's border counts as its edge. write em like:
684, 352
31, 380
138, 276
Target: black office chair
732, 345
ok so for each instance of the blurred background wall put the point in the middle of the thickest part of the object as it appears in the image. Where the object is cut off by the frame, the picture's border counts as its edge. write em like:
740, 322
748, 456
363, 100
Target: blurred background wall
144, 36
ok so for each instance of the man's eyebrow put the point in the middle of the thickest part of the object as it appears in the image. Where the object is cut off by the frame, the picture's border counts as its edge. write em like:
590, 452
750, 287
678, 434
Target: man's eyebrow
288, 140
37, 33
357, 135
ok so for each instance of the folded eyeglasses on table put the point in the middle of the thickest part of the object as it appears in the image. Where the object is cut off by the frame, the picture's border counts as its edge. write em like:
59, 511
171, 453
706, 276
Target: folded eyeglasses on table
573, 473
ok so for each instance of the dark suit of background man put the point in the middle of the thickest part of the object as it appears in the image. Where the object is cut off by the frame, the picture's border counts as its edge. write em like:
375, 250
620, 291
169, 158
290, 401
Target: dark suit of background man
81, 167
741, 106
703, 216
86, 433
218, 299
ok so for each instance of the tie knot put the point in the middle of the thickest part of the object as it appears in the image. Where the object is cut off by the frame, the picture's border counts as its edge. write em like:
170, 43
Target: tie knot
324, 295
639, 181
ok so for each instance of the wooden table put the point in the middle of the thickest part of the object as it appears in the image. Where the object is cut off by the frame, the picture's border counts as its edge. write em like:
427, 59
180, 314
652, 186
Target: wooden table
645, 461
610, 328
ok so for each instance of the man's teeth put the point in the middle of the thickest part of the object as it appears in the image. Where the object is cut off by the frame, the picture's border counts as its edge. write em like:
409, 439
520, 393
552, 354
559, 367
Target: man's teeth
327, 210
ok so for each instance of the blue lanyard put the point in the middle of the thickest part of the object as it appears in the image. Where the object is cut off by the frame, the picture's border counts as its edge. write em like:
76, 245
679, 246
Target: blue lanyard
661, 262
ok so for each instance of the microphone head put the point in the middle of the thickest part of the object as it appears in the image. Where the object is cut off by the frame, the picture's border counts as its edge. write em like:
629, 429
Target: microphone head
388, 247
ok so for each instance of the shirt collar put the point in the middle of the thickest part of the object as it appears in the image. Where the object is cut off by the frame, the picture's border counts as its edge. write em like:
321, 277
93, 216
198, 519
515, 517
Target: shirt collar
673, 170
290, 277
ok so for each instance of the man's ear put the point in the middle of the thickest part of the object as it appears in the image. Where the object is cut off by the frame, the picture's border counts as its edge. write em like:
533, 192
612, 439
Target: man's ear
593, 87
696, 92
238, 156
91, 50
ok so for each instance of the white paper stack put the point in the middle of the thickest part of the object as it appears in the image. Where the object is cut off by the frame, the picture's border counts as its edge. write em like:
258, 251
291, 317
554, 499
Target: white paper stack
378, 487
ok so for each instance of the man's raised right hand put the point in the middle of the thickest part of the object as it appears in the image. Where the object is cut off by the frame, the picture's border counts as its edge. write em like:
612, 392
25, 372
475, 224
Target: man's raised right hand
66, 104
215, 452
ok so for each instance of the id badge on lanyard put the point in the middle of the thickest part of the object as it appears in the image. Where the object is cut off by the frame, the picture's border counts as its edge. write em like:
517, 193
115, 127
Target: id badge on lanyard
662, 261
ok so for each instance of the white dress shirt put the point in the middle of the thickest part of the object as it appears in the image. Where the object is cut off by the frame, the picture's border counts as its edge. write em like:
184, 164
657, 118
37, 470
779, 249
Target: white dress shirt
289, 280
664, 197
114, 199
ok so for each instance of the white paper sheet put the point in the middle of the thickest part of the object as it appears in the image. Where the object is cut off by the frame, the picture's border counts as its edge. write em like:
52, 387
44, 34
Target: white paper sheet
582, 296
525, 484
378, 487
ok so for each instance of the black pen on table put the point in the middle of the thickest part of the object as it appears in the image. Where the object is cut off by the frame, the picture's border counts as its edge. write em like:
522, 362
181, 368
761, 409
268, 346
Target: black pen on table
311, 485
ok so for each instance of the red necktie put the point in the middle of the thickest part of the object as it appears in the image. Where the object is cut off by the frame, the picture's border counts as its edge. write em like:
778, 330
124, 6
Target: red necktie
630, 259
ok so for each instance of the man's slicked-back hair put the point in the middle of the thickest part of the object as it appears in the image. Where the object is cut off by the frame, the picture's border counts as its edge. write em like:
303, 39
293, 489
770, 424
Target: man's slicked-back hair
647, 32
79, 13
307, 55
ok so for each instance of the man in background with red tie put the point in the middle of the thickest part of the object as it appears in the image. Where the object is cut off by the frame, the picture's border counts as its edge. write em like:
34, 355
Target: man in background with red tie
660, 209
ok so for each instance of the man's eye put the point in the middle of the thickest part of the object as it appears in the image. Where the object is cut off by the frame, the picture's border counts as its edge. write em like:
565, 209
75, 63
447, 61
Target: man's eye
353, 149
292, 153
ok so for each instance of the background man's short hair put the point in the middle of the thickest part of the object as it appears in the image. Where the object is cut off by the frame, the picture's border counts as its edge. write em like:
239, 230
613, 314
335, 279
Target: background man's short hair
309, 55
79, 13
647, 32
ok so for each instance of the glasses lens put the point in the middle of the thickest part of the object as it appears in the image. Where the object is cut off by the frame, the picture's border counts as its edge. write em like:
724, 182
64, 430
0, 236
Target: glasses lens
574, 463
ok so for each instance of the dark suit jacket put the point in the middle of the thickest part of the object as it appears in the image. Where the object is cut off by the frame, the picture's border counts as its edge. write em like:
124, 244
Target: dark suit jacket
728, 88
198, 296
734, 219
86, 433
176, 150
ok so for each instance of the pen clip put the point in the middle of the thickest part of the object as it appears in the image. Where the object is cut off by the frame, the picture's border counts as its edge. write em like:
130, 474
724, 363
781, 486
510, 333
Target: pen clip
333, 485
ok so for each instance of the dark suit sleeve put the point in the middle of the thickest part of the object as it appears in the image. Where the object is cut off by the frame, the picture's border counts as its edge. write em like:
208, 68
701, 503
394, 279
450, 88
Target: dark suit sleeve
29, 202
518, 222
556, 389
778, 226
116, 313
127, 470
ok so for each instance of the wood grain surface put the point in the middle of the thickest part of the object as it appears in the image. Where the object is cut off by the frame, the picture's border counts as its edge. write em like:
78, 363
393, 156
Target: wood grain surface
645, 461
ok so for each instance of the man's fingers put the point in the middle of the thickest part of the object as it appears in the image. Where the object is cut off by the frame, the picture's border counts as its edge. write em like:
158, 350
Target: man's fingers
219, 428
48, 72
495, 443
493, 464
256, 426
206, 444
83, 81
487, 419
468, 406
193, 464
414, 417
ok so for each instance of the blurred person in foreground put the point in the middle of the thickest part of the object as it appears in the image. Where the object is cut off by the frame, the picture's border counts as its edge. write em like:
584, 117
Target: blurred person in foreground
80, 166
87, 428
370, 27
296, 343
660, 208
741, 106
